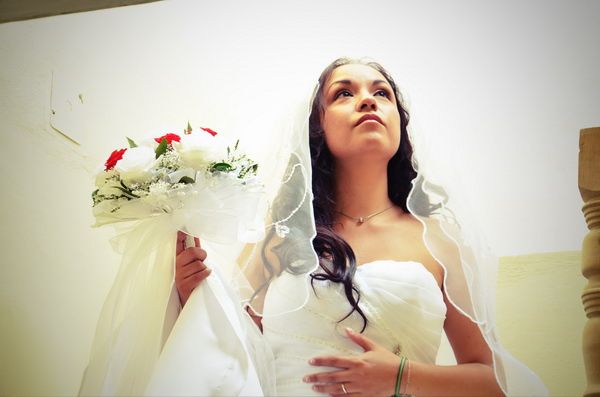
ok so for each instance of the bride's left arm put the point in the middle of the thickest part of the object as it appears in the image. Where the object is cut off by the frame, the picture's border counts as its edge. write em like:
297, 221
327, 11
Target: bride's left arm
474, 372
374, 372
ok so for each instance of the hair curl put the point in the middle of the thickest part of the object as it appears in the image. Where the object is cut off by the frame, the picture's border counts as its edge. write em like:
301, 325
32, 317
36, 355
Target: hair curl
336, 258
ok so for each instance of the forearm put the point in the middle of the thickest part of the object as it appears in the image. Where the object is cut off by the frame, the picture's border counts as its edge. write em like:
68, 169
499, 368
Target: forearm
463, 380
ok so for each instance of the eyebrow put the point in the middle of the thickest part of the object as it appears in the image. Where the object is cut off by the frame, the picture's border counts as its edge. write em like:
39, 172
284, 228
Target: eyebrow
349, 82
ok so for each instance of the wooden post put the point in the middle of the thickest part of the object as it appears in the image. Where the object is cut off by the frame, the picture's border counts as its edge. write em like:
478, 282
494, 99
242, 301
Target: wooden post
589, 187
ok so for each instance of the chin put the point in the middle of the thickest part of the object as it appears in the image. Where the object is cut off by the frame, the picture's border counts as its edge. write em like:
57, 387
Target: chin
370, 152
372, 144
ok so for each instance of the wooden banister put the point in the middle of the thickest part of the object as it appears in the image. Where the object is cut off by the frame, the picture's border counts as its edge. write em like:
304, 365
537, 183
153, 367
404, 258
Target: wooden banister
589, 188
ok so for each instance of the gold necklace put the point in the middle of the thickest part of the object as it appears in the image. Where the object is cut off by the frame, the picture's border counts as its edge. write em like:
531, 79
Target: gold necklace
362, 219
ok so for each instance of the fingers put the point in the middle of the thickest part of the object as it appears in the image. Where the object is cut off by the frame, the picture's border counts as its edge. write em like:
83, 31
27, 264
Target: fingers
187, 286
180, 242
189, 262
181, 238
328, 377
190, 270
334, 361
336, 389
198, 277
190, 255
361, 340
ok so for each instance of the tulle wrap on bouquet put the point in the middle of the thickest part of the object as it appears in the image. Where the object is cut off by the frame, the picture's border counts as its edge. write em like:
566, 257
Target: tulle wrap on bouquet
134, 351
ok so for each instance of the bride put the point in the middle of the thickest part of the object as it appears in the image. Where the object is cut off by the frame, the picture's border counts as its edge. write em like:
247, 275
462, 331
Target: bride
353, 290
363, 261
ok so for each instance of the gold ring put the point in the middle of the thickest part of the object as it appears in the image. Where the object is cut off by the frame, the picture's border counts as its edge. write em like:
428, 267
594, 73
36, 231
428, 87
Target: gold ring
344, 389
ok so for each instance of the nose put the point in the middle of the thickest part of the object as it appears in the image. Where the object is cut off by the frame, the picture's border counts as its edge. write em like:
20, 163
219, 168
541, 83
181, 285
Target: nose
367, 103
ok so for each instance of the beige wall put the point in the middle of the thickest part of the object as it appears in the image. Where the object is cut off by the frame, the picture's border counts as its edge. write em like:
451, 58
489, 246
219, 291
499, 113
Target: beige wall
540, 316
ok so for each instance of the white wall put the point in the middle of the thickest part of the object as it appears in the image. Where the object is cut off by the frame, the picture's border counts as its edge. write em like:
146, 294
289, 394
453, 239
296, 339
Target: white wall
504, 87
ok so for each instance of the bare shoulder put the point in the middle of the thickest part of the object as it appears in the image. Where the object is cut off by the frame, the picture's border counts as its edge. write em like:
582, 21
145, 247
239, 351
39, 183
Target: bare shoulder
414, 248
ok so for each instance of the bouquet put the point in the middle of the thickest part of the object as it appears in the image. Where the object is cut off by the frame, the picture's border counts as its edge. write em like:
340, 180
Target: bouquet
193, 182
194, 172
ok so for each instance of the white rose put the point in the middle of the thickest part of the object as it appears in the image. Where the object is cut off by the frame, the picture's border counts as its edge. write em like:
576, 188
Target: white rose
199, 149
148, 142
136, 164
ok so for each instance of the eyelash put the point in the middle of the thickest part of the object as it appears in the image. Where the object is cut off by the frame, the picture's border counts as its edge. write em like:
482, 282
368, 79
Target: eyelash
342, 91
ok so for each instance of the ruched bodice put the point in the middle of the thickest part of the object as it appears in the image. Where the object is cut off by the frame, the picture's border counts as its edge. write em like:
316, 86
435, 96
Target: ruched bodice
401, 300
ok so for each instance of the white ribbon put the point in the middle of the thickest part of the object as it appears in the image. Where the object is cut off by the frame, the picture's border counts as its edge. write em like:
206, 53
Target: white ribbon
206, 352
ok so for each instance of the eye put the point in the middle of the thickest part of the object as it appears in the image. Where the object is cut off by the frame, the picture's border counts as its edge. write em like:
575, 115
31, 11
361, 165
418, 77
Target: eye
383, 93
342, 92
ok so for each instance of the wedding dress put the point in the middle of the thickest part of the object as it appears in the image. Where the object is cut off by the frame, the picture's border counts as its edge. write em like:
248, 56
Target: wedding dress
401, 300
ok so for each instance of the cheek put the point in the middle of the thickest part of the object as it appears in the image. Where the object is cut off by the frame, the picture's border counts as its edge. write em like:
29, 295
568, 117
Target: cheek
396, 127
334, 134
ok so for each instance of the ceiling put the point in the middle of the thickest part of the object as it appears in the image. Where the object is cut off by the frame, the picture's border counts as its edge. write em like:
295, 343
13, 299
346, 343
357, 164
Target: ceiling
20, 10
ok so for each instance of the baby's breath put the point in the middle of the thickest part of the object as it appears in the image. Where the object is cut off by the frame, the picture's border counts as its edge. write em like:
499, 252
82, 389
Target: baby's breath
170, 161
159, 187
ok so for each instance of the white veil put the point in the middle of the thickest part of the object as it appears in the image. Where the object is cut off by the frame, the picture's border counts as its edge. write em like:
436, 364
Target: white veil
145, 345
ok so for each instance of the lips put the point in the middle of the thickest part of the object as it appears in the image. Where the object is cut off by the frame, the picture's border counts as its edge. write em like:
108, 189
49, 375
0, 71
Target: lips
369, 117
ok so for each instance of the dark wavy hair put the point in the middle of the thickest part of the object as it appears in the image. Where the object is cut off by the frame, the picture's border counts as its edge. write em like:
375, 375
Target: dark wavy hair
336, 258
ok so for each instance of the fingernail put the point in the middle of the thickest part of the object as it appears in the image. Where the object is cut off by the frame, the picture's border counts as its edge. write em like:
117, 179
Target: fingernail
349, 330
311, 361
306, 379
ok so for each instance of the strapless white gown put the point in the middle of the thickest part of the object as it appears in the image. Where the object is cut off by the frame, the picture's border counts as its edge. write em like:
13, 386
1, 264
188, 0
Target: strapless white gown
401, 300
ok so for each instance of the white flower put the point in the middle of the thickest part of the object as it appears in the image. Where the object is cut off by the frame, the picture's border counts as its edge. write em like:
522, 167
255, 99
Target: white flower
159, 187
199, 149
136, 164
147, 142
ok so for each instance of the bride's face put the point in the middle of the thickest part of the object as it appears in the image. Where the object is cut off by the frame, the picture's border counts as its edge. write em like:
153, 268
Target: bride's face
360, 116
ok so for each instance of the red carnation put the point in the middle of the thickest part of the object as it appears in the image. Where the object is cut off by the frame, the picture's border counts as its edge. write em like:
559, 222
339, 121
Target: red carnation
211, 132
115, 156
169, 137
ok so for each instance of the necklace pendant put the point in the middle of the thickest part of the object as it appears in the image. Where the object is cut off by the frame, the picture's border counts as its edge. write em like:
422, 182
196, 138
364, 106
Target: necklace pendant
361, 220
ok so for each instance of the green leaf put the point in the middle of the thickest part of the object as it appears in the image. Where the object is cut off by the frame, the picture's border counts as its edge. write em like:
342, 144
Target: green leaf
131, 142
236, 144
189, 128
224, 167
186, 179
127, 192
161, 148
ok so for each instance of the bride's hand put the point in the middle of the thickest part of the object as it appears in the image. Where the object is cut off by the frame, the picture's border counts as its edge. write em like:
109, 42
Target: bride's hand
190, 269
372, 373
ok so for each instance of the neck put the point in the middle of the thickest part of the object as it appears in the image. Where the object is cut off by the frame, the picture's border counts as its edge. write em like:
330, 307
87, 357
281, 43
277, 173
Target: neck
361, 188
